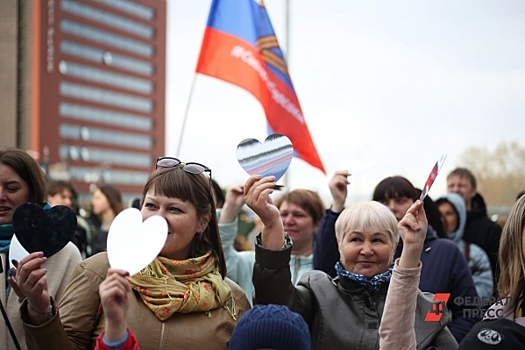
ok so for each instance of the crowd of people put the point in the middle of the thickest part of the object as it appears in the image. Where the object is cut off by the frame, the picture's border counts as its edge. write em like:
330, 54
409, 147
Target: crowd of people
358, 276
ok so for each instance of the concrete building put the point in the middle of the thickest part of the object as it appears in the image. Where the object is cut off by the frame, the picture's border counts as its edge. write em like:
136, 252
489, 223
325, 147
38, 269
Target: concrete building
82, 87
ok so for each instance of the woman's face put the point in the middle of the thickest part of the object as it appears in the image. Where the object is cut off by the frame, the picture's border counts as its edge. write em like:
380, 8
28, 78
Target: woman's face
398, 205
368, 253
183, 223
449, 214
13, 192
99, 202
298, 224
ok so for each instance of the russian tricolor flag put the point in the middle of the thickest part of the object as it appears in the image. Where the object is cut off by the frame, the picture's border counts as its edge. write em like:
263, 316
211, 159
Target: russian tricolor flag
240, 47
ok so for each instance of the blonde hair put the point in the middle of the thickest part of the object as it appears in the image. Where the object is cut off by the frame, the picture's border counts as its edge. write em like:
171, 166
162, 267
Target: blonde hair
511, 253
366, 216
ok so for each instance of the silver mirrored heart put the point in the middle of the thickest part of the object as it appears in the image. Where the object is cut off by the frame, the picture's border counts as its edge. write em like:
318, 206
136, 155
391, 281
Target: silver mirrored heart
269, 158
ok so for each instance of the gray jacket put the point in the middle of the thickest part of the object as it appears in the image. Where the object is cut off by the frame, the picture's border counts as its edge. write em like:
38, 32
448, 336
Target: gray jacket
341, 313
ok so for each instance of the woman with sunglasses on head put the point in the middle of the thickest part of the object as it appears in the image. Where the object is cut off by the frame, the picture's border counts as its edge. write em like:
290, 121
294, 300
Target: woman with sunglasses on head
180, 300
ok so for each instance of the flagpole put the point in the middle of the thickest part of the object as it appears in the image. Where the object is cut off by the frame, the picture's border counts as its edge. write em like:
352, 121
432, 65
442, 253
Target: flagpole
177, 154
287, 60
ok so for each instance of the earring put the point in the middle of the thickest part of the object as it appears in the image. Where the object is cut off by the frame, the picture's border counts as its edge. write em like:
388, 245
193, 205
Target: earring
199, 234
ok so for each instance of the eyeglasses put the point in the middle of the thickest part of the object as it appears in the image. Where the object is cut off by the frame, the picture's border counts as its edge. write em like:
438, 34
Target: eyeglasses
192, 168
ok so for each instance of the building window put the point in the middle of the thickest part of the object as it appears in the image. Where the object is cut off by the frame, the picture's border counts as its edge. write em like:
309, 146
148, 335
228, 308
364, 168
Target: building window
106, 57
103, 96
130, 7
107, 18
110, 137
123, 177
105, 77
105, 37
104, 116
102, 155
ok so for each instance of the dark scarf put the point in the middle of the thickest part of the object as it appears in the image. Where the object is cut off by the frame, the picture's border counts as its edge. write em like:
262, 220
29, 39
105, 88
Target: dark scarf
6, 233
372, 285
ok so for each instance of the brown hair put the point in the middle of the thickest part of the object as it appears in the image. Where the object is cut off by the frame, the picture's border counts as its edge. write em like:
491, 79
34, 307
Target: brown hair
196, 189
306, 199
28, 169
113, 196
58, 186
463, 172
511, 253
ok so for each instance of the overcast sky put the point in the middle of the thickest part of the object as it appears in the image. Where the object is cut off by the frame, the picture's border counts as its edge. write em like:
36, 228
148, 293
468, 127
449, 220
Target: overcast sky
386, 87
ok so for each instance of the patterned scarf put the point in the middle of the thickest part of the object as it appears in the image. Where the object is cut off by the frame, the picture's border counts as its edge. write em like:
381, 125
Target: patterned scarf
193, 285
372, 285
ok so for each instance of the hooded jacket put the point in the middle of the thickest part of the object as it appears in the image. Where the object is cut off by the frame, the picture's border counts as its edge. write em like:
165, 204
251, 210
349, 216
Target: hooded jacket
477, 259
484, 232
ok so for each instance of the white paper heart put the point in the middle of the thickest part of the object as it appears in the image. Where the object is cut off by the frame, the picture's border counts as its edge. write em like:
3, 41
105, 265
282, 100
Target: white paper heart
269, 158
16, 251
132, 244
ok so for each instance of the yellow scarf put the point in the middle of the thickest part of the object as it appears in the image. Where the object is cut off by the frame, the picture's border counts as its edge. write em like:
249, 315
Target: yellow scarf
193, 285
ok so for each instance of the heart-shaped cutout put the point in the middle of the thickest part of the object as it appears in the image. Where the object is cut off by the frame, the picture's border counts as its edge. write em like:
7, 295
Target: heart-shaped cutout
269, 158
44, 230
132, 243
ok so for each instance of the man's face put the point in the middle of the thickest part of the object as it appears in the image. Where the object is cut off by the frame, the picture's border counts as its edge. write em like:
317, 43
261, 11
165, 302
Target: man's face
462, 186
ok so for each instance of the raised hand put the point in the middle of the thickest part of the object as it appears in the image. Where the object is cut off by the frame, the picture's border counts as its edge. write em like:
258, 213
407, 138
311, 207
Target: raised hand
413, 230
339, 188
257, 192
114, 296
232, 204
31, 281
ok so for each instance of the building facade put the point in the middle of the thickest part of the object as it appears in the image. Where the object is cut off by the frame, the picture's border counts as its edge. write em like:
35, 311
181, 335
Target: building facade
83, 87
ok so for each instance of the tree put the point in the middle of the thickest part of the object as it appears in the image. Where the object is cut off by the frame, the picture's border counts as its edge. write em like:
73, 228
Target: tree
500, 173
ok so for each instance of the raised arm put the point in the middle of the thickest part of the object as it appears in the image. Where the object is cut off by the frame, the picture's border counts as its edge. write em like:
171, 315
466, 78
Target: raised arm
257, 192
271, 273
239, 264
326, 252
401, 299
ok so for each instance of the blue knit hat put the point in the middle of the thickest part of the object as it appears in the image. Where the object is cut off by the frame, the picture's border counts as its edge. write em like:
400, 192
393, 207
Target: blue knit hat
270, 327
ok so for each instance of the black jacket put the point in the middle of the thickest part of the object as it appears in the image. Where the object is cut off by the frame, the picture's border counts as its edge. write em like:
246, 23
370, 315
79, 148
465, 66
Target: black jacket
484, 232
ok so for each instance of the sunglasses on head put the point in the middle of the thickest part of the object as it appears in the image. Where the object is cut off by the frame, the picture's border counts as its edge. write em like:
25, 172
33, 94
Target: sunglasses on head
192, 168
